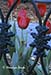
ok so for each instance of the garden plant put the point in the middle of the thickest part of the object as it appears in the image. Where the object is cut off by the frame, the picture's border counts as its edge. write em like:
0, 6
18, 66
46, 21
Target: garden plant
15, 56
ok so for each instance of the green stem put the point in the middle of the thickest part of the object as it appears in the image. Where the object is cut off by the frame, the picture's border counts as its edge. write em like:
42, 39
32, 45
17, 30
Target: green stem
22, 37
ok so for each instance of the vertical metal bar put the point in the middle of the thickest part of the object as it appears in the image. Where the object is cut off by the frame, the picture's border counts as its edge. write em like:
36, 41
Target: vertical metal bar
37, 12
2, 17
31, 69
47, 16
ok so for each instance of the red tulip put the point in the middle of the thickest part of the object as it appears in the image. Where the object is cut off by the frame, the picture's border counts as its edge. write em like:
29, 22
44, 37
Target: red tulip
22, 19
42, 8
23, 22
48, 24
10, 2
19, 1
22, 12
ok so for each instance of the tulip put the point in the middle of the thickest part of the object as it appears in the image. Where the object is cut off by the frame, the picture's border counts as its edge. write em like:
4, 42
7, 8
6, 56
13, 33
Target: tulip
22, 12
23, 20
48, 24
42, 8
10, 2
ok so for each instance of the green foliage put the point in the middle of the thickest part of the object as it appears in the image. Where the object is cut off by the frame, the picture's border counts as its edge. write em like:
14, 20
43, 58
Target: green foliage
21, 57
3, 70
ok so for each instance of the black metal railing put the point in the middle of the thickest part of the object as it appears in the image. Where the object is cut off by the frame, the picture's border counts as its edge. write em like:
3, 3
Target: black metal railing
5, 36
40, 42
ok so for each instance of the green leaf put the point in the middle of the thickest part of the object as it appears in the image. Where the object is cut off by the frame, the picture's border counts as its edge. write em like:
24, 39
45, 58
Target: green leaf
49, 57
3, 69
28, 54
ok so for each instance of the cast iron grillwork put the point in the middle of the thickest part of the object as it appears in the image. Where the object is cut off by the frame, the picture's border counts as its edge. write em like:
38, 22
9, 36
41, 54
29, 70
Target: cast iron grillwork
40, 40
5, 36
